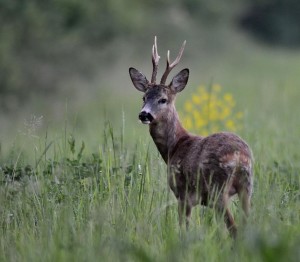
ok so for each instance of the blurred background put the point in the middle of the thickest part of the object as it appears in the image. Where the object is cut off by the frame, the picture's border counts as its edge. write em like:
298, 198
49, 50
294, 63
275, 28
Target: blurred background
67, 60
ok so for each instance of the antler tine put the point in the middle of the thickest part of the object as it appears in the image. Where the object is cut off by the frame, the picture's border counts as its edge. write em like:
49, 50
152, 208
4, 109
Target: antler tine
172, 65
155, 60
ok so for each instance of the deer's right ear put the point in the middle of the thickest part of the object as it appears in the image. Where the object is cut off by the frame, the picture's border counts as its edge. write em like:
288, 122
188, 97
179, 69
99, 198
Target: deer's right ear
139, 81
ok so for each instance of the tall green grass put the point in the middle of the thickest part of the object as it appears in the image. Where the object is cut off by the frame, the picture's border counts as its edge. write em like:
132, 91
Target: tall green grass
113, 204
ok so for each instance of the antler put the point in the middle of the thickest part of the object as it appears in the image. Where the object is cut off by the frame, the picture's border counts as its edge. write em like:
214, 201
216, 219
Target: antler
171, 66
155, 59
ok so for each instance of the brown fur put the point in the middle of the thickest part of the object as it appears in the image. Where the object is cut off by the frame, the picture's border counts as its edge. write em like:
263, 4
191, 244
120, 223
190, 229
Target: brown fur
202, 170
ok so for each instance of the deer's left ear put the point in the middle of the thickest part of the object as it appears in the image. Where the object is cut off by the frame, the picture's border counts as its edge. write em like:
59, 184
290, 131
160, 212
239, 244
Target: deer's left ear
179, 81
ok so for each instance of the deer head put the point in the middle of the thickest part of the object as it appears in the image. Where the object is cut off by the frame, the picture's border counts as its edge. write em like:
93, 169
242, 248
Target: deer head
159, 98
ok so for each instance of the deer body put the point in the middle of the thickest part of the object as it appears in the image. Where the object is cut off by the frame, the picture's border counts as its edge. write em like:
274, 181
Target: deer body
202, 170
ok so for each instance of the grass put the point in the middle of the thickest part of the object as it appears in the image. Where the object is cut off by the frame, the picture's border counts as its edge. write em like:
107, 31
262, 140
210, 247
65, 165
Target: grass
114, 205
99, 191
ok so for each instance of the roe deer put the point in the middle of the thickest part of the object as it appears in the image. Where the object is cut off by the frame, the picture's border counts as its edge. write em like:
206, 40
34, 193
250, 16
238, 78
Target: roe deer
201, 169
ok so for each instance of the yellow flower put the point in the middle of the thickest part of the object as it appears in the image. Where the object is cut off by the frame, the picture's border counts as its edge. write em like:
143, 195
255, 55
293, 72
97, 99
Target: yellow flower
216, 88
225, 113
196, 99
201, 89
188, 123
229, 99
230, 125
188, 106
205, 132
210, 111
213, 115
200, 123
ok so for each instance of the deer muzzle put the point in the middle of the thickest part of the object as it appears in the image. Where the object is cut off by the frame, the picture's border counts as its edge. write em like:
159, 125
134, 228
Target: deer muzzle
145, 117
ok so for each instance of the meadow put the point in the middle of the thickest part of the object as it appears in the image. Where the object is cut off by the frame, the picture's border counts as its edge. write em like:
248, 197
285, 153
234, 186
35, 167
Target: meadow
92, 186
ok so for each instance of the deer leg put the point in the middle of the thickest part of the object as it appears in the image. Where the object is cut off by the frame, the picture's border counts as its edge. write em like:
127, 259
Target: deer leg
222, 207
230, 223
245, 199
184, 212
244, 191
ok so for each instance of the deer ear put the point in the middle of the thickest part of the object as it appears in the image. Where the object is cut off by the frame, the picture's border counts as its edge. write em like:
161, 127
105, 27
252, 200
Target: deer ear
139, 81
179, 81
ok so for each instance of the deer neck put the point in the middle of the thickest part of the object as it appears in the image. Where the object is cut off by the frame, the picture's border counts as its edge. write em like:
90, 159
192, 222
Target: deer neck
166, 133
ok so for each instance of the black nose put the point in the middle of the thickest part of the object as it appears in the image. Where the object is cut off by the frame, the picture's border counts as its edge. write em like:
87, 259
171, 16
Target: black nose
145, 117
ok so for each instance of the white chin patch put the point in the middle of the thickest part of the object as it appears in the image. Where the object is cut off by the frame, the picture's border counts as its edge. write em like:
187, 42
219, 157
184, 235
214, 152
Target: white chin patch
146, 122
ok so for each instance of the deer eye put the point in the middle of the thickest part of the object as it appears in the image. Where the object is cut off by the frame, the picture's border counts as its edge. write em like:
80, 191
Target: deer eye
143, 99
162, 101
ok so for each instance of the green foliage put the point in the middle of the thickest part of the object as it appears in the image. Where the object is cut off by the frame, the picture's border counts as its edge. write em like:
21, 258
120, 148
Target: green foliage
11, 173
115, 204
42, 43
275, 22
41, 39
